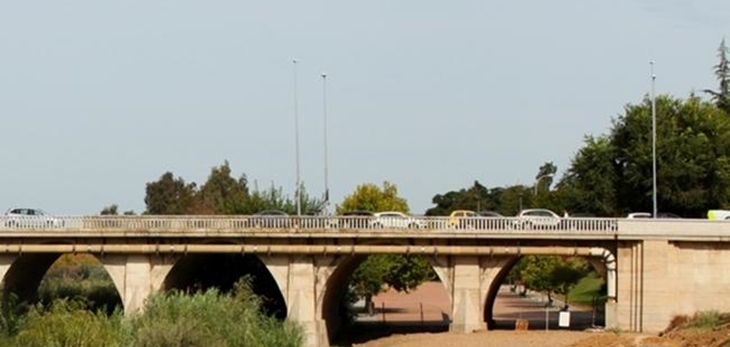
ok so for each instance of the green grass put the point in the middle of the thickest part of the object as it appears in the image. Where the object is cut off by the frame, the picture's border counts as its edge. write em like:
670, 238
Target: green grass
586, 290
706, 320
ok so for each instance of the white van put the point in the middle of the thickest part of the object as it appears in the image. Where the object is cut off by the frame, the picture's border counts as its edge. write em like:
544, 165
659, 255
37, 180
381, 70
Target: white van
718, 215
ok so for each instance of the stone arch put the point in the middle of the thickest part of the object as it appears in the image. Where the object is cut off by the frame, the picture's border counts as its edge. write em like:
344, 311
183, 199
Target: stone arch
335, 289
601, 259
25, 273
201, 271
341, 269
502, 270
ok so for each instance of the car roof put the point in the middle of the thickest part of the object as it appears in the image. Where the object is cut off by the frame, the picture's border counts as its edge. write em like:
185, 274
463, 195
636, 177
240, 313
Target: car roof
463, 212
639, 215
388, 212
357, 213
537, 210
487, 213
271, 213
24, 210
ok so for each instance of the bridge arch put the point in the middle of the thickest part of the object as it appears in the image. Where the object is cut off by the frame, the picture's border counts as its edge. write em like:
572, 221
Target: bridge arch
22, 275
201, 271
342, 267
601, 259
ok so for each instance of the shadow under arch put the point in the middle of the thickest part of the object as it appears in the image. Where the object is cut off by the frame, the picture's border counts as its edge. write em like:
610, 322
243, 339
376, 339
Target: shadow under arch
200, 272
21, 283
598, 263
335, 314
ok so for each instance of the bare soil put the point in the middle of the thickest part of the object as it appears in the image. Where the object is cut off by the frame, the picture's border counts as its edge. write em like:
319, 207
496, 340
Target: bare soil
426, 310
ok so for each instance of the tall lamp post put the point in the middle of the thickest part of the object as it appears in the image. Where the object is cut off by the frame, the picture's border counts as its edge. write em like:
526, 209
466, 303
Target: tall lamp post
324, 115
297, 192
538, 179
653, 142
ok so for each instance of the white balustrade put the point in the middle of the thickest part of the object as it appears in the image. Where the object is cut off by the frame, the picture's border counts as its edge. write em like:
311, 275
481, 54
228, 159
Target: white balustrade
333, 224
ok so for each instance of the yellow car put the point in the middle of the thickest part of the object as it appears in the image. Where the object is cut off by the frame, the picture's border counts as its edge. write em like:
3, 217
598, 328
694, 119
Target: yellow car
460, 218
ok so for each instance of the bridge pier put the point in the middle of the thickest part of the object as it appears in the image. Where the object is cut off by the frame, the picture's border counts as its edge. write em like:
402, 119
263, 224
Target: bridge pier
467, 293
301, 280
136, 276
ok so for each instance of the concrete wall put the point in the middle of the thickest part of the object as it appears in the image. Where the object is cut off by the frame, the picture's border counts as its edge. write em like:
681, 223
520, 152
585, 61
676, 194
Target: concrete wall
658, 280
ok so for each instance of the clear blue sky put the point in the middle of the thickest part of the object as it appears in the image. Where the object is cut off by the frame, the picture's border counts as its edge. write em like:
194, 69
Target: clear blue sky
97, 98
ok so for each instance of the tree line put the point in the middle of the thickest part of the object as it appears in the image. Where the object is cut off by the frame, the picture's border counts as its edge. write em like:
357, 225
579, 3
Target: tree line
610, 175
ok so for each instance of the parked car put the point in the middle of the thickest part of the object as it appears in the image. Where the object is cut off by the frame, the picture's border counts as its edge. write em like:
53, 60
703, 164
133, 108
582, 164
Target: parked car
21, 217
718, 215
538, 218
462, 219
394, 219
635, 215
270, 219
486, 213
355, 219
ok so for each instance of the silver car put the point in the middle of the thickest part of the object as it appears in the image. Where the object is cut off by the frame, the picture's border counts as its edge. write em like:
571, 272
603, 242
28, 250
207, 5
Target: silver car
538, 218
30, 218
394, 219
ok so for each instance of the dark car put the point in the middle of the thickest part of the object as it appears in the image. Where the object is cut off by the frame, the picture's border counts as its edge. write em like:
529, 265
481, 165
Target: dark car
270, 219
355, 219
489, 214
667, 215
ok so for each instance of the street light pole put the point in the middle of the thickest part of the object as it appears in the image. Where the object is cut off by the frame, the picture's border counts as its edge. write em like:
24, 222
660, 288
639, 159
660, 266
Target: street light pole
324, 114
297, 192
653, 142
537, 181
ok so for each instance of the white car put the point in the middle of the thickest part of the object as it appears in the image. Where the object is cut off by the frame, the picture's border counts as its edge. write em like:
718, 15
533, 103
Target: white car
30, 218
538, 218
394, 219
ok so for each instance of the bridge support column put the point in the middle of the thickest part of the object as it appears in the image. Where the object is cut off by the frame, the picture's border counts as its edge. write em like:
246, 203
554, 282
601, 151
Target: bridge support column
296, 277
6, 261
136, 276
467, 293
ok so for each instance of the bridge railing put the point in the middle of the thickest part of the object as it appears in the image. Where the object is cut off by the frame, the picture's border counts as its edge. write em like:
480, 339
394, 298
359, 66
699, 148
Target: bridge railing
314, 223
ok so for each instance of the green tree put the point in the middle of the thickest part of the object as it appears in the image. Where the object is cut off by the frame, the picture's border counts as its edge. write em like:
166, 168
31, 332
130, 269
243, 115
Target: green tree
221, 193
613, 174
545, 176
475, 198
274, 198
370, 197
591, 179
169, 195
110, 210
721, 97
551, 274
400, 272
369, 278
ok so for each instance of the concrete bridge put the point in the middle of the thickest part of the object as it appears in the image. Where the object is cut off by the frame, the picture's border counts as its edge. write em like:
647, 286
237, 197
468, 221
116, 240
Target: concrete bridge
654, 268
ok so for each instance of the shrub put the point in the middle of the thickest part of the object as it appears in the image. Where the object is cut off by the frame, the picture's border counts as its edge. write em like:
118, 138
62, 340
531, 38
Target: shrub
67, 325
210, 319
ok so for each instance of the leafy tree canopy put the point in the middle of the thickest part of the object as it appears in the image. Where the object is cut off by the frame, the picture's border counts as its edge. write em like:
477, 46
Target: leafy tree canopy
612, 175
721, 97
370, 197
169, 195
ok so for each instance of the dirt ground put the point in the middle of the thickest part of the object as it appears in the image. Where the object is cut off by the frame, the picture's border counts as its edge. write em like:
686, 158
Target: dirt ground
427, 307
503, 338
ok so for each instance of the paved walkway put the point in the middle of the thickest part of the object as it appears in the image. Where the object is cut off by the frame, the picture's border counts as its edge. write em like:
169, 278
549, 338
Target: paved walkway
429, 305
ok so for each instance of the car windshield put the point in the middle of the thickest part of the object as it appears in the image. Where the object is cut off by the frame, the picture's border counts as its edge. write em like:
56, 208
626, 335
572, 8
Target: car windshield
357, 213
26, 212
271, 213
538, 213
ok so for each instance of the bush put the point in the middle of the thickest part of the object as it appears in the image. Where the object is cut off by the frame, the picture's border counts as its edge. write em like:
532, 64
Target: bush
66, 325
211, 319
208, 319
703, 320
